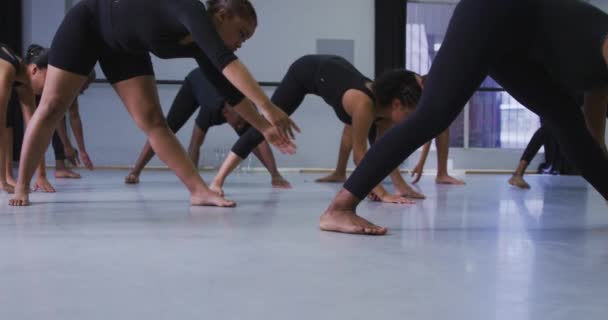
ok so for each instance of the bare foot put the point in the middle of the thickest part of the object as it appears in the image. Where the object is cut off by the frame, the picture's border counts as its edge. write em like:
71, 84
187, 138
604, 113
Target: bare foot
7, 187
410, 193
280, 183
332, 178
10, 180
448, 180
210, 199
217, 188
66, 174
347, 221
132, 178
21, 198
519, 182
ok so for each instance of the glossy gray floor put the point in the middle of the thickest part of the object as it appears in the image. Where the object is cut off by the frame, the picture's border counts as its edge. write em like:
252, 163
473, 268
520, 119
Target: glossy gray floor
103, 250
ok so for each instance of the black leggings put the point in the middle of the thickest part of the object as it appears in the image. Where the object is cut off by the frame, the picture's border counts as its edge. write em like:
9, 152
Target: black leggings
483, 40
537, 141
58, 147
296, 84
183, 107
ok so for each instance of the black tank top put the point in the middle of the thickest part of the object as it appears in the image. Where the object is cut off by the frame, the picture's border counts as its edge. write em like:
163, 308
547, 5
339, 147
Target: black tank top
335, 76
9, 56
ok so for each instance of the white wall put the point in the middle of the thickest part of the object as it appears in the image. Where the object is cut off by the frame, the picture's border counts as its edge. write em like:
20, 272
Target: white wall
288, 29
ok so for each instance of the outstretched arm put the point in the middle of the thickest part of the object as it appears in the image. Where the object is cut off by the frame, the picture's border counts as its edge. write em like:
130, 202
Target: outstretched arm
417, 171
76, 124
27, 101
362, 120
594, 110
401, 187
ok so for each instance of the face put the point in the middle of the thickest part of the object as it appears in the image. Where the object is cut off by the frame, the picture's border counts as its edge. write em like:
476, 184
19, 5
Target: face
37, 77
399, 111
233, 29
233, 118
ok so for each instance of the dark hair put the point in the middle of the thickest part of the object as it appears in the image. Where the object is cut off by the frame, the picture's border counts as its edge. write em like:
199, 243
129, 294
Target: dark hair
37, 55
242, 8
397, 84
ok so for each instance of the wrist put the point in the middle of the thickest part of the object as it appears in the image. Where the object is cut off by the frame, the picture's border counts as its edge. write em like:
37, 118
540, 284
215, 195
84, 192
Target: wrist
266, 105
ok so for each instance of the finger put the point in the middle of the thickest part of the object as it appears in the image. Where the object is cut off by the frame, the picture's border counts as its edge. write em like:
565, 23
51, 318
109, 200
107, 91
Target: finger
417, 177
290, 131
294, 125
282, 133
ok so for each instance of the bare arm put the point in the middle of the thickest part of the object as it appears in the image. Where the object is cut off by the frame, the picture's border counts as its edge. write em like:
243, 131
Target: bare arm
27, 101
239, 76
401, 187
6, 81
248, 111
594, 110
5, 93
76, 124
362, 114
77, 129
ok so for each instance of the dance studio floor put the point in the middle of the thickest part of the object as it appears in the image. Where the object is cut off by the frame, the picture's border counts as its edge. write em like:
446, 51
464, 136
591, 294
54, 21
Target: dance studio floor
102, 250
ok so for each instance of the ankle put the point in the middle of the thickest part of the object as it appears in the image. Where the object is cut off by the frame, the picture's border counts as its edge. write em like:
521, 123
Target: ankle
344, 201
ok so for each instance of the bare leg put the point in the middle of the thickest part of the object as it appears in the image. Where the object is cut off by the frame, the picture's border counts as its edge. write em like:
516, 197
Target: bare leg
341, 217
4, 184
196, 141
144, 157
517, 180
140, 97
10, 178
231, 162
442, 142
346, 146
61, 88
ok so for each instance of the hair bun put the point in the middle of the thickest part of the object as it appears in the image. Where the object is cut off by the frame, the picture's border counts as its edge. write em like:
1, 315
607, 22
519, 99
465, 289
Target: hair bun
34, 50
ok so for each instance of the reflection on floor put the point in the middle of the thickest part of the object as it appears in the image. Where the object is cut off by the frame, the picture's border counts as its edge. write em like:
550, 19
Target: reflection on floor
99, 249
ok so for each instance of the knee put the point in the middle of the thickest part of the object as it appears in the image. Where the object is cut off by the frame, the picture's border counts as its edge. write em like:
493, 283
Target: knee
53, 107
151, 121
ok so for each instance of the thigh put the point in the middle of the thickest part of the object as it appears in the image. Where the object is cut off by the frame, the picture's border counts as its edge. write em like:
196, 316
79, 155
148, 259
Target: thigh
530, 84
77, 42
183, 107
120, 66
140, 97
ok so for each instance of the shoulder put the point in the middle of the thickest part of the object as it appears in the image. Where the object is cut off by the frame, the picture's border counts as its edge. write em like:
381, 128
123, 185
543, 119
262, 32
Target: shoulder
8, 73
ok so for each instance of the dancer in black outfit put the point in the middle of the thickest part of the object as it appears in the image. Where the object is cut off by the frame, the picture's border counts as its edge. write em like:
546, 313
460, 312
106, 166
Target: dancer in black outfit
27, 78
197, 92
554, 163
557, 49
350, 95
121, 34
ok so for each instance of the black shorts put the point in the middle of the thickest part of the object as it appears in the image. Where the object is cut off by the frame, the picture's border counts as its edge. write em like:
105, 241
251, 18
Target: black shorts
78, 45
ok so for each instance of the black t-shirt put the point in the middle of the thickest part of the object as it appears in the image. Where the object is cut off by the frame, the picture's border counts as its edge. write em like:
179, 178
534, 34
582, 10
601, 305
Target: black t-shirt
157, 26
